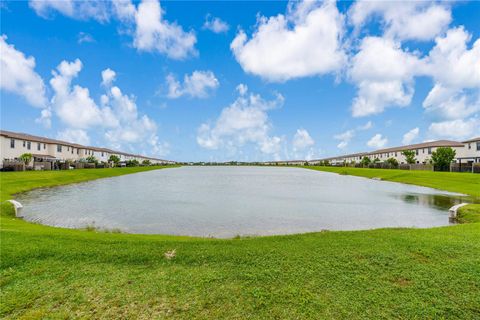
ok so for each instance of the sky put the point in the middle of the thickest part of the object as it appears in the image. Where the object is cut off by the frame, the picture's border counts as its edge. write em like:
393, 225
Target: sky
246, 81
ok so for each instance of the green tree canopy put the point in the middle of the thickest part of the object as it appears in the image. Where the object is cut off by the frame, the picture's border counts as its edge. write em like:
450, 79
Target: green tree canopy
91, 159
114, 158
443, 157
26, 158
365, 161
409, 156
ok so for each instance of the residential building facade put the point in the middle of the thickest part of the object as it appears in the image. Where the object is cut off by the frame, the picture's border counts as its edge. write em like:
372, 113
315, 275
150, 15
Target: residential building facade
467, 152
13, 145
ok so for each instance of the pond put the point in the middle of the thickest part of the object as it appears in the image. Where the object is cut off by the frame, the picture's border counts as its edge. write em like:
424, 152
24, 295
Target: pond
230, 201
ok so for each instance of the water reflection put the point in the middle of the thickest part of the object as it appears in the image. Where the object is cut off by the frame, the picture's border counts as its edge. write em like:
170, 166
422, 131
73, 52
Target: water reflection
438, 201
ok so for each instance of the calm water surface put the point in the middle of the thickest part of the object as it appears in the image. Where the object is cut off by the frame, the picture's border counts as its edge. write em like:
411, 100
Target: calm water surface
230, 201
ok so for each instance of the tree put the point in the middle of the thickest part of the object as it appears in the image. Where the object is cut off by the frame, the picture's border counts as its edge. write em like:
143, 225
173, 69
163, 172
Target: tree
132, 163
365, 161
26, 158
114, 158
92, 159
409, 156
442, 158
146, 162
376, 160
393, 162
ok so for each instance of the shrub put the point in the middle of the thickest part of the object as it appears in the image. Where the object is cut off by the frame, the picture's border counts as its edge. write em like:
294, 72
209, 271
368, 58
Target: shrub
132, 163
392, 162
146, 162
365, 161
92, 159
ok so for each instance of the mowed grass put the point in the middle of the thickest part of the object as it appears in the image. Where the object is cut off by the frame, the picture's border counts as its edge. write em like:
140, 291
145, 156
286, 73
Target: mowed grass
387, 273
466, 183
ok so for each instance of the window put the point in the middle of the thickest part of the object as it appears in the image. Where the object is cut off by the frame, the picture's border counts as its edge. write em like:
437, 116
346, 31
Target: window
39, 145
478, 145
12, 143
78, 151
24, 143
430, 150
72, 150
102, 154
469, 146
59, 148
29, 145
68, 148
44, 146
416, 152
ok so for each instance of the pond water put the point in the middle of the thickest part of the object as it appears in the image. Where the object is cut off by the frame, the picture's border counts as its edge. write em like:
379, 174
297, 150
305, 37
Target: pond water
230, 201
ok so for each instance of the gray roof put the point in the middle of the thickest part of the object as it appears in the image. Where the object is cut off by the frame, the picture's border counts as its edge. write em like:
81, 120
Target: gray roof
472, 140
29, 137
430, 144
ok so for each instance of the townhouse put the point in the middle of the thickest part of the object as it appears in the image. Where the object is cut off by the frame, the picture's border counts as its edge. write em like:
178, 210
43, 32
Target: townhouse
13, 145
467, 152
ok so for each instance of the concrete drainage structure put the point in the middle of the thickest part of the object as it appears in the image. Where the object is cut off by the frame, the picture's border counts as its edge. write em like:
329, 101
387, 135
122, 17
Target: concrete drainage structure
17, 206
452, 213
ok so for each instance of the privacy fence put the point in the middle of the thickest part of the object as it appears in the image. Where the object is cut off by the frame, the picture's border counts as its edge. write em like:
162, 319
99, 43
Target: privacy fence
454, 167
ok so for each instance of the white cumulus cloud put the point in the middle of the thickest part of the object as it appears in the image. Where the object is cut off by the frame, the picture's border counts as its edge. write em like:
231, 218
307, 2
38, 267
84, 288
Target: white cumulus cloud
410, 136
377, 141
73, 105
302, 140
198, 85
455, 69
306, 41
81, 10
344, 138
455, 129
389, 83
108, 76
245, 121
18, 75
415, 20
145, 22
74, 135
215, 24
154, 33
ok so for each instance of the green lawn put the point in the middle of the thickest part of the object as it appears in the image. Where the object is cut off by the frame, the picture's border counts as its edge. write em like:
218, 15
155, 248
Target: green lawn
387, 273
466, 183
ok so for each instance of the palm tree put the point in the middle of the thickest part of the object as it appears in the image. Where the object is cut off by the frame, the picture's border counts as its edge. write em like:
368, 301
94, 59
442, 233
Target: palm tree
26, 158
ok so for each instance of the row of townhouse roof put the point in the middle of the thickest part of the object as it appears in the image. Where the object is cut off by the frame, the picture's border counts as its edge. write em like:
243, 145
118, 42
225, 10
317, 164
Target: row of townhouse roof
13, 145
466, 152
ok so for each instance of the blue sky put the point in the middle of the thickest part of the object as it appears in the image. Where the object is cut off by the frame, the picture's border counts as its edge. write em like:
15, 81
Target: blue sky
241, 80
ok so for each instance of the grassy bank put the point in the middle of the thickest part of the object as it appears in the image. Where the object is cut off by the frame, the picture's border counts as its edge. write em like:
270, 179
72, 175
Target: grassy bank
388, 273
465, 183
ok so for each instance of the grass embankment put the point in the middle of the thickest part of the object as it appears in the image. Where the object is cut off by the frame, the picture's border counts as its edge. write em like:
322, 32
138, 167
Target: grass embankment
388, 273
466, 183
